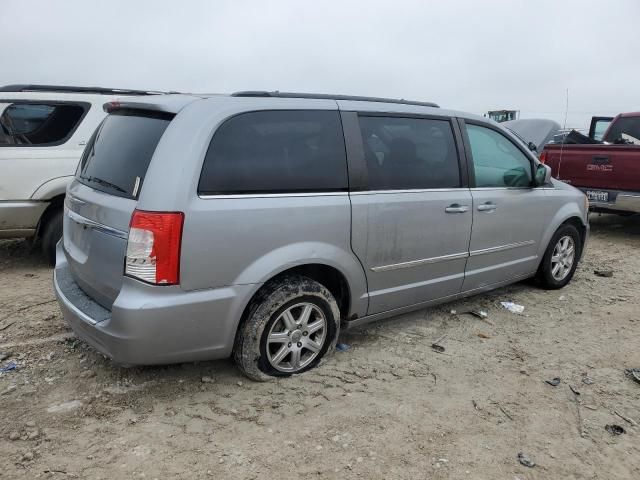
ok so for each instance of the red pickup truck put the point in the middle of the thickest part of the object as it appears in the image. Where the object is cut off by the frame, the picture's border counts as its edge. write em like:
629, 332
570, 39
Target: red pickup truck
608, 171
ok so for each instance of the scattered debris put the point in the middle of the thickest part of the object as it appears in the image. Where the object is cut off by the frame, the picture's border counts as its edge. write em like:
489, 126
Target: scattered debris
343, 347
9, 366
6, 325
630, 421
513, 307
4, 355
587, 380
633, 373
614, 429
478, 313
437, 348
590, 407
65, 407
575, 400
483, 335
453, 312
554, 382
562, 298
525, 460
206, 379
603, 273
475, 404
505, 412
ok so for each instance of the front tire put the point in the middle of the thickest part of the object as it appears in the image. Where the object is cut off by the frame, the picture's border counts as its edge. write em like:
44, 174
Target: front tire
289, 327
561, 258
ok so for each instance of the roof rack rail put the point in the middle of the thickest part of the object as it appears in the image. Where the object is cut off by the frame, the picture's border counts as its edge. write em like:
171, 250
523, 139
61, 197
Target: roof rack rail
325, 96
72, 89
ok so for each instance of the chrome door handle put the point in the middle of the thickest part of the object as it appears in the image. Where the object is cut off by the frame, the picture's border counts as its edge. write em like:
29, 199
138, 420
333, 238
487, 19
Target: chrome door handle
455, 208
487, 207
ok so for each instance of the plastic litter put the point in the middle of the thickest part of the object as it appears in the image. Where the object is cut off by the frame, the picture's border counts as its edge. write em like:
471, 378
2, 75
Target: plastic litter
343, 347
9, 366
513, 307
554, 382
525, 460
633, 373
614, 429
479, 313
603, 273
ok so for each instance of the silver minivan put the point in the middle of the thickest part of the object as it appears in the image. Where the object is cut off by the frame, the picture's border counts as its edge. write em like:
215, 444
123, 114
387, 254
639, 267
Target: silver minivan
257, 225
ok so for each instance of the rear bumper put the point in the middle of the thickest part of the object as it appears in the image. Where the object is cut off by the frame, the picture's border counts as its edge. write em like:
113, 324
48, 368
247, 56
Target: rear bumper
619, 201
153, 325
20, 218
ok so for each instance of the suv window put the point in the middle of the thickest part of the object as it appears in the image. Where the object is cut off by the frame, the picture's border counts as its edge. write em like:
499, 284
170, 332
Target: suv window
276, 152
116, 158
39, 124
409, 153
497, 162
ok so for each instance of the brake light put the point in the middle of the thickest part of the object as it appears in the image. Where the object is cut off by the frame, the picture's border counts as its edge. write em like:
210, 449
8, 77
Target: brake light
543, 156
153, 247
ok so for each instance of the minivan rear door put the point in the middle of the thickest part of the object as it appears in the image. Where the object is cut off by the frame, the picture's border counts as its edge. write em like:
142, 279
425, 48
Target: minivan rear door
103, 196
411, 208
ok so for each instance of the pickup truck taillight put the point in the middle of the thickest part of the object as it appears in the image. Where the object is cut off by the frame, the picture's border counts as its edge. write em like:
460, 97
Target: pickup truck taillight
543, 156
153, 247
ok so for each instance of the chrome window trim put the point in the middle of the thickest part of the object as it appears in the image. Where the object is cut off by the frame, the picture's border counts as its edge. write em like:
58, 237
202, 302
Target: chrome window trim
424, 261
411, 190
273, 195
501, 248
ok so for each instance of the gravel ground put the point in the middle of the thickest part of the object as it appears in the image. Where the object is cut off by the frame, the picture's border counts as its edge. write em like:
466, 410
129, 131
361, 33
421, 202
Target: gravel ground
389, 407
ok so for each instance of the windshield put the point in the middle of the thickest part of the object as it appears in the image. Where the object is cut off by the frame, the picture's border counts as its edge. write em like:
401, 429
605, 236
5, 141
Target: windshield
624, 130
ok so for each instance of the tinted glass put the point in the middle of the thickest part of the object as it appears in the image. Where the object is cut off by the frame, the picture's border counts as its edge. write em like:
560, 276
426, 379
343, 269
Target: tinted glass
600, 128
118, 155
625, 130
409, 153
38, 124
274, 152
497, 162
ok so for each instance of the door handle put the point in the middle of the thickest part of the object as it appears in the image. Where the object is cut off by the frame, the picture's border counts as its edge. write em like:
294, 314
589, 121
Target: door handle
455, 208
487, 207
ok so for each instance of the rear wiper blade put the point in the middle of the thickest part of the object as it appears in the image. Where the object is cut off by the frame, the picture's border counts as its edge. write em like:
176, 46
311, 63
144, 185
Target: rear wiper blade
105, 183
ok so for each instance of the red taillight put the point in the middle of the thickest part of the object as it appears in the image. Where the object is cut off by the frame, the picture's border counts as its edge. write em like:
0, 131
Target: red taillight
153, 247
543, 156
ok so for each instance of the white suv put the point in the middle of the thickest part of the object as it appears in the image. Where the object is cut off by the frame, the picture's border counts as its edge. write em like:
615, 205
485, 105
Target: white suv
43, 131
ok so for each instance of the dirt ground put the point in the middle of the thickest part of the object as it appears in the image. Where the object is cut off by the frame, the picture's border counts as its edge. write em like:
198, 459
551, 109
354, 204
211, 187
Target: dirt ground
389, 407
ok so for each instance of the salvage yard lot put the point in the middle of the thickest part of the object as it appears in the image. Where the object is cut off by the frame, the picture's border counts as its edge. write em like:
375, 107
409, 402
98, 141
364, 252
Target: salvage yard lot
388, 407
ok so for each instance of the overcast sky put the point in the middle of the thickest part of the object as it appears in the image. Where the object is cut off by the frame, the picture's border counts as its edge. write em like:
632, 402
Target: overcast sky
468, 55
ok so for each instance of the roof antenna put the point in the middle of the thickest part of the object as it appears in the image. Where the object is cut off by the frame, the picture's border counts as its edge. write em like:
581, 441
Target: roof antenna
564, 128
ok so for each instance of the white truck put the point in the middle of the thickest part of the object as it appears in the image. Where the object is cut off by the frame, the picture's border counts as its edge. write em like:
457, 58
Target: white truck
43, 131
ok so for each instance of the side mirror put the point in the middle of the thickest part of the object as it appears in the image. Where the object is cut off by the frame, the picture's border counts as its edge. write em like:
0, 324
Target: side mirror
543, 175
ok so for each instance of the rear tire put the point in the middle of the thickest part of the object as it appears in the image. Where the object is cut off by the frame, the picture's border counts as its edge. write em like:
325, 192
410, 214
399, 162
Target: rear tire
289, 327
52, 233
561, 258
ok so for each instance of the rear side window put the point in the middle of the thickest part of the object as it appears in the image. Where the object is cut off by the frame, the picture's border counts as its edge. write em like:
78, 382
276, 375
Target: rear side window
409, 153
39, 124
116, 158
497, 162
276, 152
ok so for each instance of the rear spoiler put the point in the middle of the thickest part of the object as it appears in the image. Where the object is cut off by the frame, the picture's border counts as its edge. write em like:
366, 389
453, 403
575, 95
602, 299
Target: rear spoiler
170, 104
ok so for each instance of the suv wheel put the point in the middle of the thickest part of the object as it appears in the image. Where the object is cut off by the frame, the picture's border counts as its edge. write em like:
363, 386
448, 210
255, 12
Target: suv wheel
288, 329
561, 258
52, 233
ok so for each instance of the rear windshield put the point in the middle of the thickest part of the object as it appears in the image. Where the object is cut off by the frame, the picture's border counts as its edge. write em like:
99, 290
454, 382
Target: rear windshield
116, 158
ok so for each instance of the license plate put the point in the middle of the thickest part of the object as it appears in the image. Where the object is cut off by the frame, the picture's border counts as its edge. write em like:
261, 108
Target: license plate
597, 196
